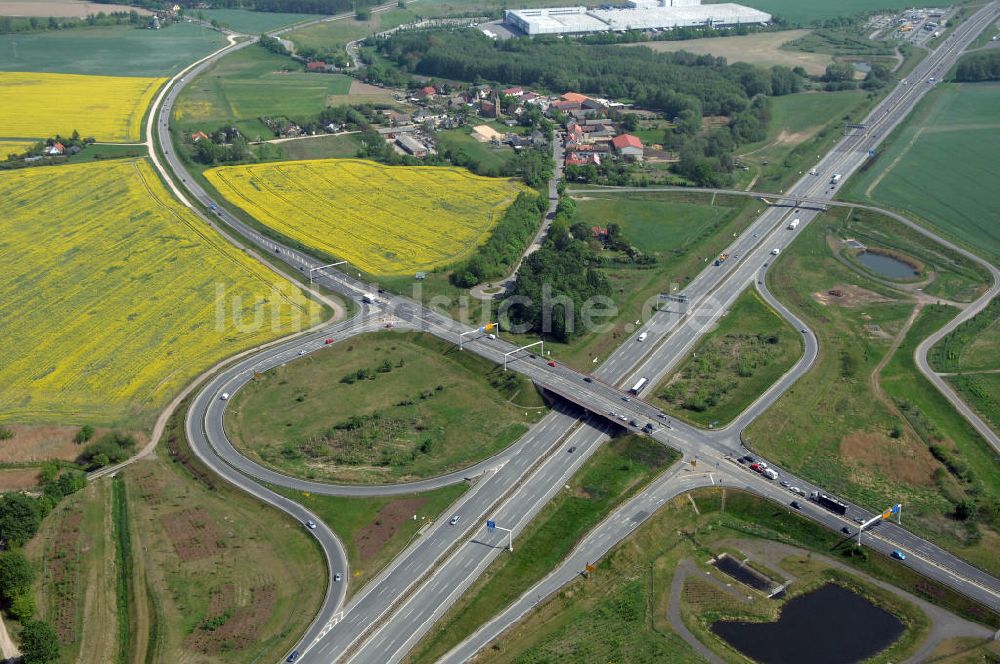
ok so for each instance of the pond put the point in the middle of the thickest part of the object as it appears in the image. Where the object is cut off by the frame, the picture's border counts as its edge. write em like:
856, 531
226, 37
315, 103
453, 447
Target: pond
830, 625
887, 266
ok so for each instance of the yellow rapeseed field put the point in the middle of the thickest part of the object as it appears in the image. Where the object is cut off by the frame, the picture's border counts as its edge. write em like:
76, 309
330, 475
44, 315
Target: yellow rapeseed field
109, 108
13, 147
385, 220
114, 296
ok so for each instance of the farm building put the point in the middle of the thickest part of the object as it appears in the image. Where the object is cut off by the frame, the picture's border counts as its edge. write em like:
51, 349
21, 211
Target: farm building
628, 146
639, 15
411, 145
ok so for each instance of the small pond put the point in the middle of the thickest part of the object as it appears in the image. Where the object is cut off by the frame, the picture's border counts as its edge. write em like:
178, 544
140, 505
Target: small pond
887, 266
830, 625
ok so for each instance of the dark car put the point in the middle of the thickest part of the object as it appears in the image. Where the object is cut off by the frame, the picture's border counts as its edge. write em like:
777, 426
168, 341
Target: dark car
845, 530
633, 423
572, 449
294, 657
796, 505
588, 379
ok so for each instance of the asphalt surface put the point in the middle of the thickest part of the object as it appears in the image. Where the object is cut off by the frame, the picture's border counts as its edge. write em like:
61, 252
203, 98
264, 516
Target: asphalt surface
378, 624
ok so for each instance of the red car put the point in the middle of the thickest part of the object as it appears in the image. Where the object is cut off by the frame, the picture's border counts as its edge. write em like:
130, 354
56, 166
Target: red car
329, 341
552, 364
757, 467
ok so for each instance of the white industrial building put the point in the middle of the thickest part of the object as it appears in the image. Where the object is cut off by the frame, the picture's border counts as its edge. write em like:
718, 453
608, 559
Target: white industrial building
639, 15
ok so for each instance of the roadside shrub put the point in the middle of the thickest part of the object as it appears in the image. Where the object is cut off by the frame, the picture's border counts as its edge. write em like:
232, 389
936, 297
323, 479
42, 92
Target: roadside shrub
6, 434
112, 448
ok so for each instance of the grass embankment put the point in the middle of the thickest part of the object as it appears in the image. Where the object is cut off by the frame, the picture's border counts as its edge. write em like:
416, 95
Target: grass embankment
614, 472
321, 147
851, 428
627, 600
374, 530
680, 229
383, 407
750, 349
932, 165
124, 581
972, 354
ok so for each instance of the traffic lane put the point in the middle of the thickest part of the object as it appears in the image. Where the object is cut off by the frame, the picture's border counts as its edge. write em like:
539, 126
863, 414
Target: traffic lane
391, 642
378, 598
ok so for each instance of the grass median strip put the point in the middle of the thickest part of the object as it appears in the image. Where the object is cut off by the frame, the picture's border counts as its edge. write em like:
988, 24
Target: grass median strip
614, 472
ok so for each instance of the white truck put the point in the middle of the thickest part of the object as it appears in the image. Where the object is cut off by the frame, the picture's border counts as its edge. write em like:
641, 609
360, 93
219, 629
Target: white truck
775, 251
793, 224
835, 179
368, 298
642, 336
770, 474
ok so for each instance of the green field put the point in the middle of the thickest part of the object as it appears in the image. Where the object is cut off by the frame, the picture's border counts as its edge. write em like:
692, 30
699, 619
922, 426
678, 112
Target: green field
420, 408
109, 51
934, 165
802, 126
681, 229
333, 35
750, 349
250, 83
321, 147
804, 12
608, 477
870, 441
250, 22
490, 159
374, 530
628, 599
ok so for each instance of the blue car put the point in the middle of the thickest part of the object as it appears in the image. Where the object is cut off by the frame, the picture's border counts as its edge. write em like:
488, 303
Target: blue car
898, 555
293, 657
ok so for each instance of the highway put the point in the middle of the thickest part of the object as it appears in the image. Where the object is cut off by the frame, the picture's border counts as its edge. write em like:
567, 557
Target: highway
378, 623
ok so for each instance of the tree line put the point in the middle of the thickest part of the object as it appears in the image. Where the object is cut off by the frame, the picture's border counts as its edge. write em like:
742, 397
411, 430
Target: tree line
979, 67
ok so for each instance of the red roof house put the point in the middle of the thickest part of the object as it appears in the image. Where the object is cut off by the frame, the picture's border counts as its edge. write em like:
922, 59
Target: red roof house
428, 91
198, 136
317, 65
628, 146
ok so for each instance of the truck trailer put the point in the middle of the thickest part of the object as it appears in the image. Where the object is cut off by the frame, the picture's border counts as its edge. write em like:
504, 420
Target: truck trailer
793, 224
835, 179
641, 383
829, 503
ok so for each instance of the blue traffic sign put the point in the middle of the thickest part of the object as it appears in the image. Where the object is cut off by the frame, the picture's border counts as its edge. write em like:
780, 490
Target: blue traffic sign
491, 525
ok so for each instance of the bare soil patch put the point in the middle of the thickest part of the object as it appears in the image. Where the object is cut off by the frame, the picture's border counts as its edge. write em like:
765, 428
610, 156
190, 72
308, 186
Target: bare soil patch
361, 93
193, 534
42, 443
228, 627
877, 454
64, 568
15, 479
759, 49
62, 8
375, 535
849, 295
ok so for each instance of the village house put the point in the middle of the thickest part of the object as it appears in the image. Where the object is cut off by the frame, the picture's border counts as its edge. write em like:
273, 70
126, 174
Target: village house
628, 146
199, 136
55, 149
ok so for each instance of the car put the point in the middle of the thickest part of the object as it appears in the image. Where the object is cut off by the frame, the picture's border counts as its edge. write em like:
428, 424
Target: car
622, 418
750, 459
302, 352
763, 466
845, 530
454, 520
625, 398
328, 341
551, 363
648, 428
492, 336
898, 555
224, 396
662, 416
294, 657
795, 504
742, 460
588, 379
310, 524
633, 423
338, 577
572, 449
796, 489
803, 331
785, 483
858, 519
775, 251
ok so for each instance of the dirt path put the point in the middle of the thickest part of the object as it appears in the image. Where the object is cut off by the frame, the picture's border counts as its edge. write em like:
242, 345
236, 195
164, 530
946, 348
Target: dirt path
944, 625
968, 373
873, 379
684, 568
8, 650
